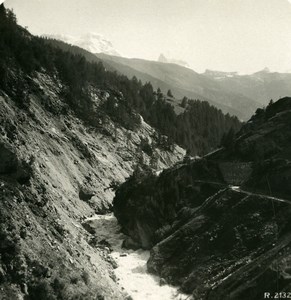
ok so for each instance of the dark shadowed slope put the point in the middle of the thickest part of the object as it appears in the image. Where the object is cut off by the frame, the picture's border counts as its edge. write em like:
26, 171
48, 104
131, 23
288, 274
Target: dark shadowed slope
208, 235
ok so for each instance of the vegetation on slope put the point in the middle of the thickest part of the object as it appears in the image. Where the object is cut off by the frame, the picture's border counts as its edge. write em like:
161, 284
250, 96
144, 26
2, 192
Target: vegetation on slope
199, 129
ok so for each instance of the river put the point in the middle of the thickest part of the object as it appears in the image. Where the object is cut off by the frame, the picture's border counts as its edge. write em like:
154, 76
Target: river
132, 272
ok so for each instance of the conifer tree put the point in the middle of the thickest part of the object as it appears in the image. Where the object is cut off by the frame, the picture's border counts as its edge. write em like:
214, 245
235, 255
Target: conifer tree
169, 94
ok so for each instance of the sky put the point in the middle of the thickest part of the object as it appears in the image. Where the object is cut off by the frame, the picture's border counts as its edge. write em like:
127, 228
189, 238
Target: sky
227, 35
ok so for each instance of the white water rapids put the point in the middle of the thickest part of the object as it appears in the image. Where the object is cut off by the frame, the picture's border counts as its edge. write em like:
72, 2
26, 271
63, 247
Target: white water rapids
132, 270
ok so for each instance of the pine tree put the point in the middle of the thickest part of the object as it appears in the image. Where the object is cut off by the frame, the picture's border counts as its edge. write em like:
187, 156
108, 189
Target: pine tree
2, 10
169, 94
184, 102
229, 139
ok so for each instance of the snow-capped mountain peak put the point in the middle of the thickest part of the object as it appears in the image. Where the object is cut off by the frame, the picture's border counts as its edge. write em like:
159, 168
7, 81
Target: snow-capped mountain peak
96, 43
92, 42
219, 74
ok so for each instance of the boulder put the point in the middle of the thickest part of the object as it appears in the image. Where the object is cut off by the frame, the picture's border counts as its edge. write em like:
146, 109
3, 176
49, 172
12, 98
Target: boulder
100, 206
11, 165
86, 193
129, 243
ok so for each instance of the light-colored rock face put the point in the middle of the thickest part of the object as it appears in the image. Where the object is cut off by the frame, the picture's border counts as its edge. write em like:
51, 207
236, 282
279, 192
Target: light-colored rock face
68, 159
68, 155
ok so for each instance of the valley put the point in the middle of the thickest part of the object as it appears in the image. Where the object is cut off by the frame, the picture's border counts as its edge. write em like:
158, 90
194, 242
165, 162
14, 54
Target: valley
138, 180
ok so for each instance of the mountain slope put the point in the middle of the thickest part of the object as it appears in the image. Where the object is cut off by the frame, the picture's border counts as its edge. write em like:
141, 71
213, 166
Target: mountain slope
219, 226
191, 84
54, 172
194, 125
130, 72
162, 58
179, 93
61, 157
236, 94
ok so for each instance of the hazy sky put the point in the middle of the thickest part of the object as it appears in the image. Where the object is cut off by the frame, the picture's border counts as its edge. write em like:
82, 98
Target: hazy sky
230, 35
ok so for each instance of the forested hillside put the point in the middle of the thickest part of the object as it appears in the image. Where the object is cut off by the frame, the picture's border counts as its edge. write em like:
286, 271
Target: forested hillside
199, 129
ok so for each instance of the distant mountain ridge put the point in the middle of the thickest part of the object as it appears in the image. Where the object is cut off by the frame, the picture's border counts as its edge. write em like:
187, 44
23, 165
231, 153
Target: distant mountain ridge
181, 80
162, 58
262, 86
219, 74
231, 92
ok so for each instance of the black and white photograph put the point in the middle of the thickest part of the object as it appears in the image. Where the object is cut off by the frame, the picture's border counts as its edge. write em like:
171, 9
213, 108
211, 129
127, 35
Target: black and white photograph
145, 149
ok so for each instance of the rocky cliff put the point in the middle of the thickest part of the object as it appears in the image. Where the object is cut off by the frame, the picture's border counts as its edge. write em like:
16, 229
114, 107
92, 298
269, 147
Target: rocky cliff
56, 170
219, 227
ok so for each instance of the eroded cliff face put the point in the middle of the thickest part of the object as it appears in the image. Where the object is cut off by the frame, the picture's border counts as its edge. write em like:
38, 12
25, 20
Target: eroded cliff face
54, 172
219, 227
